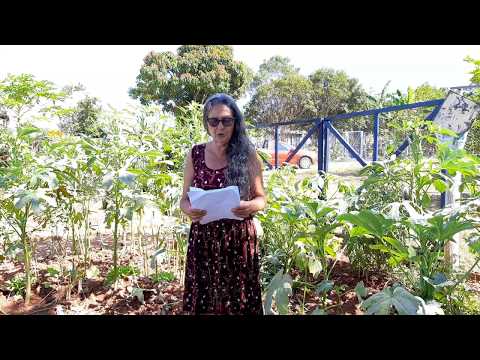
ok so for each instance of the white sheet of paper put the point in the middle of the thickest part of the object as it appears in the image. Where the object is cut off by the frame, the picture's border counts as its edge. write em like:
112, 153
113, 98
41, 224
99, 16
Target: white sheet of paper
218, 203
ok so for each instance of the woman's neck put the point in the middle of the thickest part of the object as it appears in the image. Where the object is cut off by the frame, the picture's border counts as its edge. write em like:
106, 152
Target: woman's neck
220, 150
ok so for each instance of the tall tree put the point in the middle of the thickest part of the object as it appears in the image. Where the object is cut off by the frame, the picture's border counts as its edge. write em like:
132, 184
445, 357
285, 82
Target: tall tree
473, 138
84, 119
272, 69
336, 93
193, 74
283, 99
283, 94
476, 70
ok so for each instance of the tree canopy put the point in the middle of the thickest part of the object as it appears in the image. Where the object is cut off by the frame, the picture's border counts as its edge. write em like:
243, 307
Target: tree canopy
193, 74
84, 119
283, 94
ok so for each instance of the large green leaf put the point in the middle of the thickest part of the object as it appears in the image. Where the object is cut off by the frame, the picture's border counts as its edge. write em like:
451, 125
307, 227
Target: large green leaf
396, 298
446, 231
375, 224
26, 131
279, 289
397, 245
440, 186
324, 286
361, 291
32, 198
379, 303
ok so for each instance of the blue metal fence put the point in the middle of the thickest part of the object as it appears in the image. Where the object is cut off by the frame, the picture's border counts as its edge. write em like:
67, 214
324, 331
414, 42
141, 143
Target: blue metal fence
324, 126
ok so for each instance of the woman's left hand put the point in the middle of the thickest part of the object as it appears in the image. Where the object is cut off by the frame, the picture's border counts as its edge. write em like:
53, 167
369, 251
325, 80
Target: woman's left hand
245, 209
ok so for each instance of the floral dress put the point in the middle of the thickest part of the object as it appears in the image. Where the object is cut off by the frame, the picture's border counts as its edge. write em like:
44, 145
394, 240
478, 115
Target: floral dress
222, 266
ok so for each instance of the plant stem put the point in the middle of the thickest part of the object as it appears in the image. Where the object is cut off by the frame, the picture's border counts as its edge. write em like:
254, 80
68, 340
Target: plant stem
115, 235
26, 252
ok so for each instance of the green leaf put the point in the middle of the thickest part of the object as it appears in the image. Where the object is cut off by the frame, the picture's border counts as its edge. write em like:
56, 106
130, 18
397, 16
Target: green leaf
314, 266
329, 250
406, 303
279, 289
52, 271
474, 246
380, 247
23, 199
324, 286
152, 154
29, 198
136, 172
379, 303
411, 252
397, 245
358, 232
440, 186
361, 291
398, 298
26, 131
375, 224
426, 201
126, 177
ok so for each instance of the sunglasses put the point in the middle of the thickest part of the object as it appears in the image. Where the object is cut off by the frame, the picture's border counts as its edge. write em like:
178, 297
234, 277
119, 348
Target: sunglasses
226, 121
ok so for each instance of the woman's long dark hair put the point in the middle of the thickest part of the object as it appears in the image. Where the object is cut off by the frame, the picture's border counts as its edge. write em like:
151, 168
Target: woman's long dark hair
240, 148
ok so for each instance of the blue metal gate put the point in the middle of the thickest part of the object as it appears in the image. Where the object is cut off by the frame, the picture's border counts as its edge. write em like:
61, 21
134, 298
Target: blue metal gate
324, 126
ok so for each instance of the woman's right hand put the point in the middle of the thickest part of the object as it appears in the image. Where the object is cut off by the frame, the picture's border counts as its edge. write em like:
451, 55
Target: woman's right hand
195, 214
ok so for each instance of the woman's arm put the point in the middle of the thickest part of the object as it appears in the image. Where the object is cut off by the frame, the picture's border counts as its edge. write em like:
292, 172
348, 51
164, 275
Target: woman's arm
185, 206
259, 200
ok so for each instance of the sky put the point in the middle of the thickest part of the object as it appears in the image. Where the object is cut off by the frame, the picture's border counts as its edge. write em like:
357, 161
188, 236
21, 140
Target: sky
108, 71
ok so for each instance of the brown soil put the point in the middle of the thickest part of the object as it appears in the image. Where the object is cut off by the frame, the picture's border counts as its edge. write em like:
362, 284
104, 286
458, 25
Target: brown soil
52, 295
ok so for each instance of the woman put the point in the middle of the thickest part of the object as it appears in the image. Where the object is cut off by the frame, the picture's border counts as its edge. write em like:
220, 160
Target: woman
222, 267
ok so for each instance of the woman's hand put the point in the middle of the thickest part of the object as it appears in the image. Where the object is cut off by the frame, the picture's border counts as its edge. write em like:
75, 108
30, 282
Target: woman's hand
245, 209
195, 214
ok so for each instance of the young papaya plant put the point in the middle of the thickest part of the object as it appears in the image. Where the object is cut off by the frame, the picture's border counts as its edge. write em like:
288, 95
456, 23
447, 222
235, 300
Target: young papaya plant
26, 194
74, 161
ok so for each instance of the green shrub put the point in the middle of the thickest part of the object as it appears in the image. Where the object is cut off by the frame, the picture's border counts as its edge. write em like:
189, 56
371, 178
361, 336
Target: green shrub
163, 276
122, 271
472, 144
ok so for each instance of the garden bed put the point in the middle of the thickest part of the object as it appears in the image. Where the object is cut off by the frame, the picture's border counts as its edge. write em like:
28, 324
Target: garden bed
51, 295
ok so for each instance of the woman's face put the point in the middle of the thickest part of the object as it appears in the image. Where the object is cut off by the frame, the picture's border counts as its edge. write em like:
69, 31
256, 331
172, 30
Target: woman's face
222, 132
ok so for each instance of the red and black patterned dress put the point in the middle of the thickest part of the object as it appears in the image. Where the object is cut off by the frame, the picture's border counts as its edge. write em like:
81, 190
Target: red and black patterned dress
222, 267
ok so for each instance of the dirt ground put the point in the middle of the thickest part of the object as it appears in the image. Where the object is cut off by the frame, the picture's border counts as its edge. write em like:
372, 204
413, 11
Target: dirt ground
140, 294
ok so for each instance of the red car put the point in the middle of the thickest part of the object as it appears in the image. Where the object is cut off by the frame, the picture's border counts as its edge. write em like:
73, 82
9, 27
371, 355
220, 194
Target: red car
304, 159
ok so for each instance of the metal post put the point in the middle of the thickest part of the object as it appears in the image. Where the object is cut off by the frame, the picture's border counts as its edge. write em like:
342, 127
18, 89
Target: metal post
443, 195
376, 123
276, 147
451, 199
326, 151
320, 148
